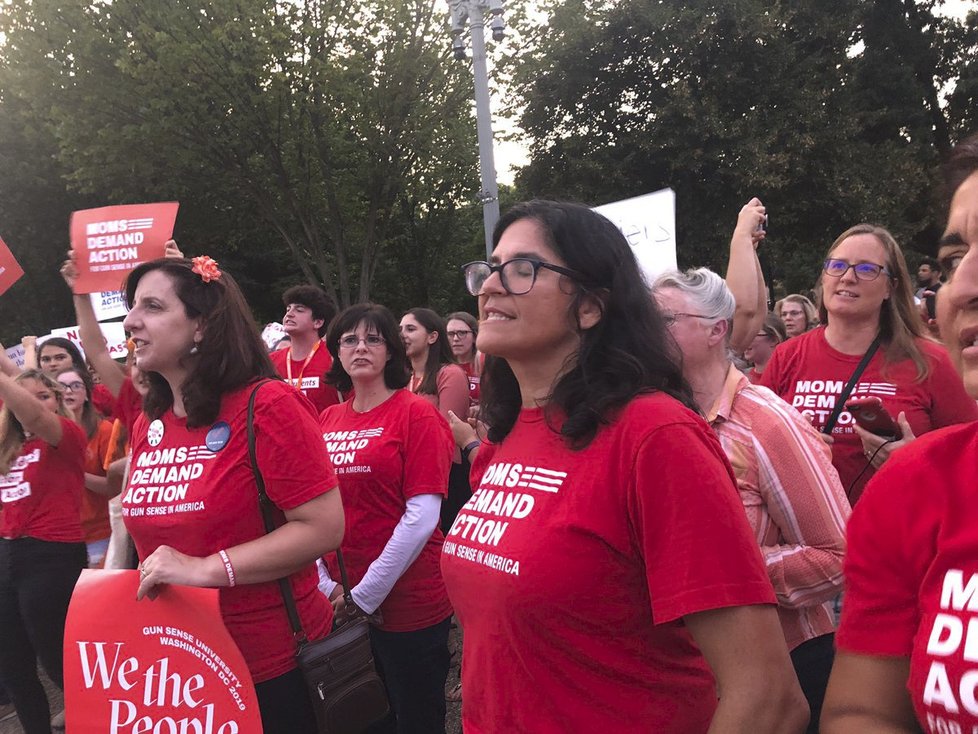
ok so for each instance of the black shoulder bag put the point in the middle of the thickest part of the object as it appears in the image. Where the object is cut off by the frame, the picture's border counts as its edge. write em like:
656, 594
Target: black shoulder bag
347, 694
840, 402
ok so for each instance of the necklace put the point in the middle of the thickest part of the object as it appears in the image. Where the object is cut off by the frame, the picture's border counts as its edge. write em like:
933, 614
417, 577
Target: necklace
416, 381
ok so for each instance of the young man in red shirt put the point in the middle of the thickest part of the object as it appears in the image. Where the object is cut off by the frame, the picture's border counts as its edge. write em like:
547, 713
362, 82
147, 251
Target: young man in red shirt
308, 312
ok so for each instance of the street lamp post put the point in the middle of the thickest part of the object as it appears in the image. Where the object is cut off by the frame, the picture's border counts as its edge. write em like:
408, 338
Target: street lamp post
473, 12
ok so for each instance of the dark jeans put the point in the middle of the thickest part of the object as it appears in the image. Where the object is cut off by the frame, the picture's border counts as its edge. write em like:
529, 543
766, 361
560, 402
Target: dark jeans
285, 706
414, 666
36, 581
813, 663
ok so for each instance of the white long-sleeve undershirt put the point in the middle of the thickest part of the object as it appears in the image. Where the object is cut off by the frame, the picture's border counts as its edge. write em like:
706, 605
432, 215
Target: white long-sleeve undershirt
420, 518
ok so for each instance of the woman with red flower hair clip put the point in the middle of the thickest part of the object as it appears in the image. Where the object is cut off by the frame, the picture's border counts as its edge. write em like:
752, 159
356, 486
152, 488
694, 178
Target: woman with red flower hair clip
195, 339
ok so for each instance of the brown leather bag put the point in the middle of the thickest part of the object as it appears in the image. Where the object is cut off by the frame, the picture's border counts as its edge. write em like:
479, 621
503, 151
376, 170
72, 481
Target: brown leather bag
347, 694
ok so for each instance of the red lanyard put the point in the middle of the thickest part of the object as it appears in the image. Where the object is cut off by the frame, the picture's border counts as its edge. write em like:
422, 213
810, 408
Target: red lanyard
288, 365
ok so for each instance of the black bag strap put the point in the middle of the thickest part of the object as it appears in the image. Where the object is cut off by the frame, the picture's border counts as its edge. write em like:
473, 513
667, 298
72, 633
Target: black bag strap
840, 402
266, 512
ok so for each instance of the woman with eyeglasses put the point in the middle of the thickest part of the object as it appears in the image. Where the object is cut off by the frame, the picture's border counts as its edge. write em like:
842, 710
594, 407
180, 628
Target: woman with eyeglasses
866, 298
797, 314
758, 354
463, 328
76, 389
578, 569
391, 451
42, 467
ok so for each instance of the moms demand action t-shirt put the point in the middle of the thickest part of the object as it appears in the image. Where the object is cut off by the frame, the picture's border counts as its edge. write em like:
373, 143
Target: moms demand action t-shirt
310, 380
570, 572
400, 449
912, 575
809, 374
42, 493
193, 489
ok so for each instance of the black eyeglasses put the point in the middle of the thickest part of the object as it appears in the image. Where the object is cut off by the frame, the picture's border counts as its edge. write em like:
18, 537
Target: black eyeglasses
517, 275
461, 333
863, 271
73, 386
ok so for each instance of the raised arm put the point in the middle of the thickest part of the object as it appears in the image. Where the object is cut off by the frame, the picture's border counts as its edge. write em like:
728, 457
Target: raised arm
34, 415
29, 343
7, 365
744, 277
92, 340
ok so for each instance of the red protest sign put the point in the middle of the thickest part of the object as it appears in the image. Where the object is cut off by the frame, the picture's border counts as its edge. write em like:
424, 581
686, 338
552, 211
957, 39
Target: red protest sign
10, 270
111, 241
167, 665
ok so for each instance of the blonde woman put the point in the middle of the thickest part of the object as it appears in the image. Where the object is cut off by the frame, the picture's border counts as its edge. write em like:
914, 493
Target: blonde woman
42, 475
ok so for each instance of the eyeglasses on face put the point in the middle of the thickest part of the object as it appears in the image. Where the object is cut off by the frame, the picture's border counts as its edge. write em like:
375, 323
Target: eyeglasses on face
671, 318
352, 341
73, 386
460, 334
517, 275
863, 271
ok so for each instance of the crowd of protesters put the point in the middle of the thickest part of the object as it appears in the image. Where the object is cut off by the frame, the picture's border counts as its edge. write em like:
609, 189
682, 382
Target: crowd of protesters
640, 502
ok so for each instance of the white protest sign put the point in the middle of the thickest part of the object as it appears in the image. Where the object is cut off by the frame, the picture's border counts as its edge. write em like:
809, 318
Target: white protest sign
16, 355
109, 305
115, 338
649, 224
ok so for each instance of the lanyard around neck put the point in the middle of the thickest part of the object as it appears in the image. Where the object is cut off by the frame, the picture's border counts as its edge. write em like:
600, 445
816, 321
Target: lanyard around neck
288, 364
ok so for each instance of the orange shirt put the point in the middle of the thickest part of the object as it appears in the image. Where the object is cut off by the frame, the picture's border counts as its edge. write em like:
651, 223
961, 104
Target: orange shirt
95, 507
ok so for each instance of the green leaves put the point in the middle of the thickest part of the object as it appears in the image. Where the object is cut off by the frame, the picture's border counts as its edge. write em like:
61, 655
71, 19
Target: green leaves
302, 138
832, 112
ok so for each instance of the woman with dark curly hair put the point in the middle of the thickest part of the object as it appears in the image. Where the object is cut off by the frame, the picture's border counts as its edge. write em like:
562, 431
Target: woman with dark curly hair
603, 570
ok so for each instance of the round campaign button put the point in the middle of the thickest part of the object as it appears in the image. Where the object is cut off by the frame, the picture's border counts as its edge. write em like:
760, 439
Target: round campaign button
217, 437
155, 433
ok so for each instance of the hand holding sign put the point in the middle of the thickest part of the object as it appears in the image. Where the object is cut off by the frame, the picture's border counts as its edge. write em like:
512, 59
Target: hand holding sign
165, 666
111, 241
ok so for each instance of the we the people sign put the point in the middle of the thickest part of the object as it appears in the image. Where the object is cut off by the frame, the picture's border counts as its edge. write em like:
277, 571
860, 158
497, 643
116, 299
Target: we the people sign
111, 241
10, 270
167, 665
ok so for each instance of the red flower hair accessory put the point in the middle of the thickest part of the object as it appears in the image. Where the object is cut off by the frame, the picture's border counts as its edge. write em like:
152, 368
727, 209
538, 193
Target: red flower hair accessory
206, 268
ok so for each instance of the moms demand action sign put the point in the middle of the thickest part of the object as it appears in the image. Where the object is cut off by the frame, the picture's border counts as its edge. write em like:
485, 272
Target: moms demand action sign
111, 241
162, 666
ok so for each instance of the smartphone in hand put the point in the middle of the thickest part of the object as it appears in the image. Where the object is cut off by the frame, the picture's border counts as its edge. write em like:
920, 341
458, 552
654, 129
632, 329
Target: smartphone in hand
870, 414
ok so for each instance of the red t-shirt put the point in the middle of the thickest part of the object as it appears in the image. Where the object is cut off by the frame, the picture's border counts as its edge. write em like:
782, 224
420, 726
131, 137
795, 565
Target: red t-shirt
912, 574
41, 495
570, 572
400, 449
103, 400
95, 507
473, 377
193, 489
809, 374
309, 379
129, 405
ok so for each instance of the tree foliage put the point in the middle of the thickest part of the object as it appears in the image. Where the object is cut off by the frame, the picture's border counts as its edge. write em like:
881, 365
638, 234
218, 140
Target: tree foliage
832, 111
323, 136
